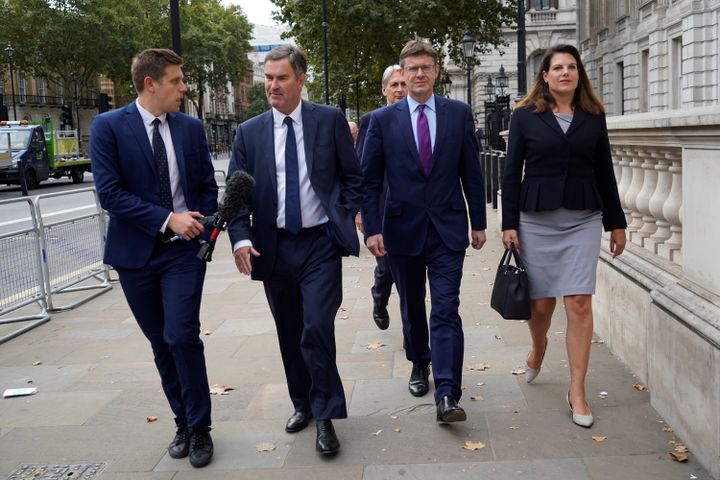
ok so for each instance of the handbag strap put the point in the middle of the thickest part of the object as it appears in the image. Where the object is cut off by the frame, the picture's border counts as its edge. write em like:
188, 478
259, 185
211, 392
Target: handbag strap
512, 253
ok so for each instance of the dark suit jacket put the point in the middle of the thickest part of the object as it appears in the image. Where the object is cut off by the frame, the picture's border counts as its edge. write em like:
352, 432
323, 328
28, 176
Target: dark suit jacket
362, 130
572, 170
413, 199
334, 175
126, 179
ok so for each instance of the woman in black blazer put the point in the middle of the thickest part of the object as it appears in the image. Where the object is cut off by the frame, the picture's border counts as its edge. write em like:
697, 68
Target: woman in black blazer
558, 192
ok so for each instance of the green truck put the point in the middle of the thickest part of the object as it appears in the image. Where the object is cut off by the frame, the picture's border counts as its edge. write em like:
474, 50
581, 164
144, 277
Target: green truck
41, 152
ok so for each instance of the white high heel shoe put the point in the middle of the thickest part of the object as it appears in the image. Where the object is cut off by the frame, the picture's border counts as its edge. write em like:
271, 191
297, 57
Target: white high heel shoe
581, 420
531, 373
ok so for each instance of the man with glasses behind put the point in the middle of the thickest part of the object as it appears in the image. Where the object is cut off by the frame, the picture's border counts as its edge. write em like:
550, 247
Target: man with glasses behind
425, 147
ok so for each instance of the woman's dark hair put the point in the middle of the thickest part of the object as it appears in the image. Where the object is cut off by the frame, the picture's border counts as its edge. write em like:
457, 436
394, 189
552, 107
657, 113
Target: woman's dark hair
540, 97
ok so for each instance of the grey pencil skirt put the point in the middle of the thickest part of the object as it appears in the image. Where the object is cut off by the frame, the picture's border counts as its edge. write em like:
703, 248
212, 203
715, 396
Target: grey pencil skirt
560, 249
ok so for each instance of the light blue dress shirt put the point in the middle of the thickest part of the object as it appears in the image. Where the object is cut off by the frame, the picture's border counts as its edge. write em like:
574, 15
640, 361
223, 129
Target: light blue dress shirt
431, 118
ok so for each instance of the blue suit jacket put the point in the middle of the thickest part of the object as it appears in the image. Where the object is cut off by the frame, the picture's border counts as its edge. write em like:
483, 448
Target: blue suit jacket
546, 169
126, 179
334, 175
413, 199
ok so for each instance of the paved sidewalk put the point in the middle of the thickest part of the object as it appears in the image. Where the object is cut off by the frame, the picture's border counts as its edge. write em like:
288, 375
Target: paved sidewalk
97, 384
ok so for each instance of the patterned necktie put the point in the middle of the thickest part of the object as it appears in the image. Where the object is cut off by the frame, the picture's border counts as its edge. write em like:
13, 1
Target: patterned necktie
161, 160
293, 215
424, 145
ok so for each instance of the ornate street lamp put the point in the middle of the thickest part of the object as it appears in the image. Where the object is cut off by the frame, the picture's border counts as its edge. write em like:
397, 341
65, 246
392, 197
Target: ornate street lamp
468, 46
490, 89
502, 80
446, 83
9, 50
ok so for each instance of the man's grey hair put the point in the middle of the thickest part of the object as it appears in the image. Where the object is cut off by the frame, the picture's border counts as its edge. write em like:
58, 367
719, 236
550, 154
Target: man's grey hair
295, 56
388, 73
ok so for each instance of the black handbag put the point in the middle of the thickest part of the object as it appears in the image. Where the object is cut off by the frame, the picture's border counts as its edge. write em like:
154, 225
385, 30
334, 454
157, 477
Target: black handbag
511, 291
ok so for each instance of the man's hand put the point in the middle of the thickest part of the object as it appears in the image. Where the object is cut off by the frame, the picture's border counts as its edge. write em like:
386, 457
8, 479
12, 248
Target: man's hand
185, 225
242, 259
617, 241
510, 236
478, 239
376, 245
358, 223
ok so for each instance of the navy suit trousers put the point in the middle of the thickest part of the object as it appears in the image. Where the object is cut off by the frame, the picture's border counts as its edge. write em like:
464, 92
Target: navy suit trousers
304, 293
382, 287
164, 297
443, 268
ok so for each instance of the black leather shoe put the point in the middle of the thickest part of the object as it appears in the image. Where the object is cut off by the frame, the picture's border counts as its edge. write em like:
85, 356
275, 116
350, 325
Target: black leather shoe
449, 411
419, 383
327, 442
179, 446
381, 317
201, 448
298, 421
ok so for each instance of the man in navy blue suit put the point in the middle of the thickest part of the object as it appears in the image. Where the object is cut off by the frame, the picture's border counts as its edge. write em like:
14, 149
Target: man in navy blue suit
153, 174
298, 225
425, 147
394, 89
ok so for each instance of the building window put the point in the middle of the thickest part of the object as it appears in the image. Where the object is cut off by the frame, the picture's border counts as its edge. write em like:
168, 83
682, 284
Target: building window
22, 87
543, 4
676, 72
644, 80
59, 88
41, 89
619, 88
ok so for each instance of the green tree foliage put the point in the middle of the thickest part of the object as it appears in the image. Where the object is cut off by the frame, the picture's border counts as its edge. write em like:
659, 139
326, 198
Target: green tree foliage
365, 37
82, 39
257, 102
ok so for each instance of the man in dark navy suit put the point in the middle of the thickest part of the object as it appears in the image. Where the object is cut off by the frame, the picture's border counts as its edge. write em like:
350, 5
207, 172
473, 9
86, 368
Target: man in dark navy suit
425, 147
154, 176
394, 89
298, 225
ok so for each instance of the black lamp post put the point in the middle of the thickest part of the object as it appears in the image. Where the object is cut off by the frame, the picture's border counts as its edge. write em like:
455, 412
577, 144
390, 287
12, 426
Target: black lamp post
446, 84
489, 89
502, 80
9, 50
521, 66
325, 53
468, 46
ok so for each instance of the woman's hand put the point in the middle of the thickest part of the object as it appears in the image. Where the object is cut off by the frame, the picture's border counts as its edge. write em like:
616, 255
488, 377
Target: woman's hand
617, 241
510, 236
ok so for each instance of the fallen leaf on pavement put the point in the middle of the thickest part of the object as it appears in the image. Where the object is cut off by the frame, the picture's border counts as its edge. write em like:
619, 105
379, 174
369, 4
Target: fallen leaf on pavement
667, 428
375, 345
472, 446
377, 434
207, 332
519, 371
679, 457
599, 438
514, 428
397, 430
480, 367
598, 341
681, 448
480, 384
342, 309
36, 363
603, 394
394, 417
344, 317
151, 418
640, 387
220, 390
476, 398
265, 447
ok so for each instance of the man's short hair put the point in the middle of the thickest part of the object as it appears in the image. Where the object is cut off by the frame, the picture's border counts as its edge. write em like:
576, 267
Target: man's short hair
388, 73
151, 63
295, 56
417, 46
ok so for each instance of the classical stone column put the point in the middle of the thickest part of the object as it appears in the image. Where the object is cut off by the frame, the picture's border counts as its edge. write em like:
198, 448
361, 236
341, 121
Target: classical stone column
632, 194
650, 157
670, 249
623, 156
658, 199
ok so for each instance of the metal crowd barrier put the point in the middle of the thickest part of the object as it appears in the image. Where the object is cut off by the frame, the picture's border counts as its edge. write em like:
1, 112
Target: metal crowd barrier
21, 282
492, 163
72, 251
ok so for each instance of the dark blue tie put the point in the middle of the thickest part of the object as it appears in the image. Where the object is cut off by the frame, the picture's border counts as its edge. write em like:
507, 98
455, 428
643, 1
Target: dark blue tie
293, 215
161, 161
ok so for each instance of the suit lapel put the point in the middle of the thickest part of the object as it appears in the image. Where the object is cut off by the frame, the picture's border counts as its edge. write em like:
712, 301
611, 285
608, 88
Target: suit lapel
441, 122
138, 128
578, 117
176, 134
309, 123
549, 118
402, 114
268, 131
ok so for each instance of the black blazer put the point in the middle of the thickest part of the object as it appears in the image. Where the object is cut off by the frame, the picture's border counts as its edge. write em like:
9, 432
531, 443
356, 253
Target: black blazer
572, 170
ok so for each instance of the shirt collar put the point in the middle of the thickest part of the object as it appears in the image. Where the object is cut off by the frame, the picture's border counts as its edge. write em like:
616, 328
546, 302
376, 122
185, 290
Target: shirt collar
412, 104
296, 115
147, 116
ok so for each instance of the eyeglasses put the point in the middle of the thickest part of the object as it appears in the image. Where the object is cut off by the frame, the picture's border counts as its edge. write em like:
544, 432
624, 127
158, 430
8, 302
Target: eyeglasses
425, 69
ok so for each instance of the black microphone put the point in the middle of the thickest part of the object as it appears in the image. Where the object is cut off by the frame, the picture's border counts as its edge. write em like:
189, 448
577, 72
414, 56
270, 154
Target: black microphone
237, 191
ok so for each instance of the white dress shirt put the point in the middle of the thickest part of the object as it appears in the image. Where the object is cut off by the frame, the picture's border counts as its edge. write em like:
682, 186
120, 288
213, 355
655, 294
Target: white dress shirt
178, 197
311, 208
429, 114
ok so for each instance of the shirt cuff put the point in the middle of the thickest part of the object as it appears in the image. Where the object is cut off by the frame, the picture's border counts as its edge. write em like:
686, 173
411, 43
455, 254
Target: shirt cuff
240, 244
164, 225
